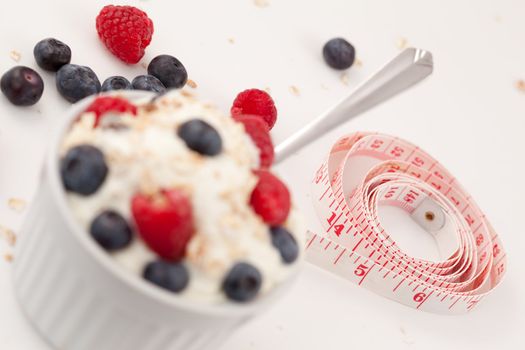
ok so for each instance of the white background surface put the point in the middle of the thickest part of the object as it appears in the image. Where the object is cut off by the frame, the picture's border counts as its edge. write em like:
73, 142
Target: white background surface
469, 115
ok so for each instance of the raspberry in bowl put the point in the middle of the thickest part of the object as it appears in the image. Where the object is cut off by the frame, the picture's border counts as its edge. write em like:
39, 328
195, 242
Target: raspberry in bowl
154, 227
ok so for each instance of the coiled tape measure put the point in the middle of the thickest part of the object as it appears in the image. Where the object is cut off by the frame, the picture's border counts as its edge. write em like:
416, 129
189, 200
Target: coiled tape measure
366, 170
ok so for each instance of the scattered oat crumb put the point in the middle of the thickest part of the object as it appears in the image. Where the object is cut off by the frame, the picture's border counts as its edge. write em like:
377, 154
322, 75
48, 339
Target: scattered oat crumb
192, 84
497, 18
520, 85
144, 65
15, 55
324, 87
358, 62
231, 40
401, 43
344, 78
16, 204
8, 234
295, 90
261, 3
8, 257
268, 89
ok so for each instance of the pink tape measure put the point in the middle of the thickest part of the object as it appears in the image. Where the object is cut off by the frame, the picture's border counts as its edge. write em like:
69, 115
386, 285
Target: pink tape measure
367, 170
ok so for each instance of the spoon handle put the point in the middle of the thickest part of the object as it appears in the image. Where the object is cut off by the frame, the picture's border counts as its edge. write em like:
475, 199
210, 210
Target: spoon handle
406, 69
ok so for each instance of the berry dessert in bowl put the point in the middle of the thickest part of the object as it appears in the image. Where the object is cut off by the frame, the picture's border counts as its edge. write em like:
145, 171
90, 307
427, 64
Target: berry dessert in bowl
158, 224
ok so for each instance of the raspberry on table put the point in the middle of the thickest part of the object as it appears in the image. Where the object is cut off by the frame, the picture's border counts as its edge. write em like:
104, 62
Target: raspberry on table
258, 131
270, 198
126, 31
105, 104
255, 102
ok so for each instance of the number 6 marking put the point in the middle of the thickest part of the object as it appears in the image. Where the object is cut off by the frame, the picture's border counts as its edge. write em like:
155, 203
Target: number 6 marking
419, 297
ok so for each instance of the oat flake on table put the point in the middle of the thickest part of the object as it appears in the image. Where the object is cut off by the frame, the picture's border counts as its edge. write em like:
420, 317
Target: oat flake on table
295, 90
261, 3
401, 43
15, 55
16, 204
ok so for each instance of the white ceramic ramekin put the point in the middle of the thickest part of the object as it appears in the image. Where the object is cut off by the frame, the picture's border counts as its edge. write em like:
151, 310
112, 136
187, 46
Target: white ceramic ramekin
79, 299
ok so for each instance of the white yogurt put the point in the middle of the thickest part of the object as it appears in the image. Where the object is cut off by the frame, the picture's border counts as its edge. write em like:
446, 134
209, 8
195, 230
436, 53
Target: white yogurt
148, 155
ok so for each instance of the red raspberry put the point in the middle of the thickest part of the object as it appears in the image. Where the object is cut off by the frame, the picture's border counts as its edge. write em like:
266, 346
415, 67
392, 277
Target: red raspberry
126, 31
165, 222
105, 104
258, 131
255, 102
270, 198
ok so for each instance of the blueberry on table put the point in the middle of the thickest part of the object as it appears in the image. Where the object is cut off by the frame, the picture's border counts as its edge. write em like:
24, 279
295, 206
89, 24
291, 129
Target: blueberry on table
76, 82
169, 70
51, 54
22, 86
242, 282
148, 83
111, 230
170, 276
83, 170
339, 53
285, 243
200, 137
116, 83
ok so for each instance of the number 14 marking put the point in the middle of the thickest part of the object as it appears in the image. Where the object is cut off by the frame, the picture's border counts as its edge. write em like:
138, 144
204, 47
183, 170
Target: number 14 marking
337, 228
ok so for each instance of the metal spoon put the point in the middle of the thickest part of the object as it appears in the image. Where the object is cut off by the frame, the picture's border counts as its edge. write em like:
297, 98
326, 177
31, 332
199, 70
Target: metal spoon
405, 70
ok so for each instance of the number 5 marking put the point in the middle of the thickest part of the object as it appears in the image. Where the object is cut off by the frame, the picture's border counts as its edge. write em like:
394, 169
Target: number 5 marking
361, 270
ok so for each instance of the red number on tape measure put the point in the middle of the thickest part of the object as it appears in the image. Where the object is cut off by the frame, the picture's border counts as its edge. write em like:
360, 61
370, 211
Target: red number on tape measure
479, 240
377, 143
361, 270
331, 218
418, 162
397, 151
419, 297
338, 229
496, 250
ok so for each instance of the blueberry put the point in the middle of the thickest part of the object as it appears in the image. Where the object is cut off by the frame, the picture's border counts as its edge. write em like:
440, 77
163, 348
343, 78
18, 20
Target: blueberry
76, 82
339, 53
201, 137
116, 83
169, 70
22, 86
111, 230
285, 243
148, 83
52, 54
83, 169
242, 282
171, 276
